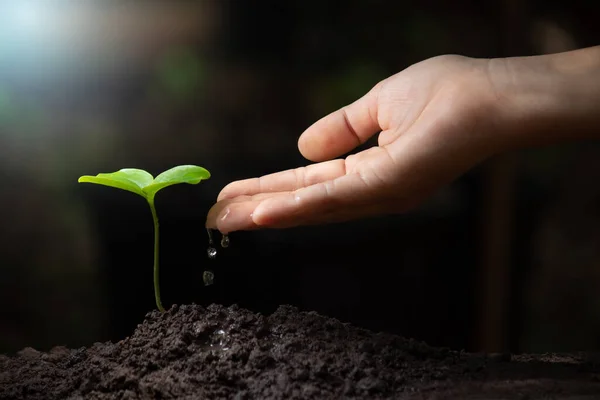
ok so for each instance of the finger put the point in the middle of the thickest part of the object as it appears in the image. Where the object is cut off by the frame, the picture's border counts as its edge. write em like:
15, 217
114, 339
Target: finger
238, 214
233, 214
343, 130
289, 180
350, 194
335, 215
346, 193
287, 208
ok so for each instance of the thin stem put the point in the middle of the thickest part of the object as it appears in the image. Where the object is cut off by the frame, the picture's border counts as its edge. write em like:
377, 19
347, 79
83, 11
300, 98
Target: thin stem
156, 268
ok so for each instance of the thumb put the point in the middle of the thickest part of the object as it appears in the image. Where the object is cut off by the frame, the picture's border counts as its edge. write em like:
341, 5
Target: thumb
342, 130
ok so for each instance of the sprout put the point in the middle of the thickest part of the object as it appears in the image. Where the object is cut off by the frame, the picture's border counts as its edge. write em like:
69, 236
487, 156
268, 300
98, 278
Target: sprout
144, 184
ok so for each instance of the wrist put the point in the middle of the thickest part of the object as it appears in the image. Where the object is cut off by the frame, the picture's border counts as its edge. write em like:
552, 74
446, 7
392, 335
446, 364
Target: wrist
548, 98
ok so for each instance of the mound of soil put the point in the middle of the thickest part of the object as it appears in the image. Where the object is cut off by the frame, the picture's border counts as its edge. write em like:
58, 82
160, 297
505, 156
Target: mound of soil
192, 352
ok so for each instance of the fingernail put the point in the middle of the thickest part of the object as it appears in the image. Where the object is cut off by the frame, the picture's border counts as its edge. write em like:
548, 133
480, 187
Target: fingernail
234, 220
225, 214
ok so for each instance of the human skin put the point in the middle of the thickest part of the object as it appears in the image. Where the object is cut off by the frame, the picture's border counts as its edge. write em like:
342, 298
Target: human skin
436, 120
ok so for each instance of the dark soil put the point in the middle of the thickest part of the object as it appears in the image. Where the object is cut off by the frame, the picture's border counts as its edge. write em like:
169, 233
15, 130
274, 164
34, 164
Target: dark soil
191, 352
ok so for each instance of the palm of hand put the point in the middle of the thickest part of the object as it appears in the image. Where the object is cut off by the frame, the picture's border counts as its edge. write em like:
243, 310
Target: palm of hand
433, 123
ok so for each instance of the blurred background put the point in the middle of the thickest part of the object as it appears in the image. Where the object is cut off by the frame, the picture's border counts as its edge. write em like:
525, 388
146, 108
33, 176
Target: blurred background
505, 259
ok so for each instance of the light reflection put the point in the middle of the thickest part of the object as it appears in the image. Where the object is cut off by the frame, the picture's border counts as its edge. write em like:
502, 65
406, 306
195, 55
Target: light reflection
45, 41
28, 15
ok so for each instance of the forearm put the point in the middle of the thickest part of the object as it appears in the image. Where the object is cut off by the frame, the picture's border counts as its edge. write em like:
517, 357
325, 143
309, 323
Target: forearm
549, 98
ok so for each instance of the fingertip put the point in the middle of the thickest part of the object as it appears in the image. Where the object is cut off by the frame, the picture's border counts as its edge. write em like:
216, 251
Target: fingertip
211, 216
228, 192
320, 141
307, 145
341, 131
261, 214
235, 216
302, 146
278, 211
218, 213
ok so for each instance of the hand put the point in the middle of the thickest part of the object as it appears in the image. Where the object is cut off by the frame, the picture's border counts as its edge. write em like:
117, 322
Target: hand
437, 120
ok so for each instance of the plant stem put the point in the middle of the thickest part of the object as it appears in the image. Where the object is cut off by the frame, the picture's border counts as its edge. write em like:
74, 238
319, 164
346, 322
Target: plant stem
156, 269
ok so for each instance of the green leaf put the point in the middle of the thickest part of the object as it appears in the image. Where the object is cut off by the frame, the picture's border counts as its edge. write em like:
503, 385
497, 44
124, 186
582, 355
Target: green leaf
138, 176
142, 183
131, 179
190, 174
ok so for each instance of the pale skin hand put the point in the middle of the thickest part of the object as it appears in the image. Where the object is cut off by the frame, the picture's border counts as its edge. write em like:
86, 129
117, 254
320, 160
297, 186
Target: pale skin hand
435, 123
436, 119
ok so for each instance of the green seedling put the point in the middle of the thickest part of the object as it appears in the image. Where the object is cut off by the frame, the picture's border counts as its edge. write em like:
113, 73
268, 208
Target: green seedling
143, 183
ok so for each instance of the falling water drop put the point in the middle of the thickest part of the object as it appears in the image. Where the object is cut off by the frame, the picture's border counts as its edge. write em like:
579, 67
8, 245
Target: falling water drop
212, 252
210, 238
225, 241
208, 277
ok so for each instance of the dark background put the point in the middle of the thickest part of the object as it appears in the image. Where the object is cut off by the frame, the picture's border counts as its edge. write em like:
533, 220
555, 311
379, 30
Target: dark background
506, 258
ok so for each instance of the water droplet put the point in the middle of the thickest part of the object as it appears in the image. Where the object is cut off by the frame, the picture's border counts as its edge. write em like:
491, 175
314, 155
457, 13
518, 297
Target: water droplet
208, 277
225, 241
212, 252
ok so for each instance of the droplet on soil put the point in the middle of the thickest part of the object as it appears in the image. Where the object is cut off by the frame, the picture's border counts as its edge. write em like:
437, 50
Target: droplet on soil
222, 336
225, 241
208, 277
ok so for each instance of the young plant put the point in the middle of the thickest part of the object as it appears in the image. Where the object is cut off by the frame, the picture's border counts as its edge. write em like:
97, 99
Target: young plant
144, 184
